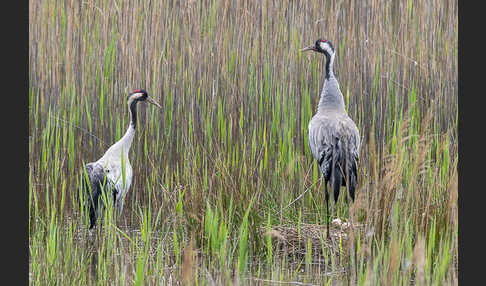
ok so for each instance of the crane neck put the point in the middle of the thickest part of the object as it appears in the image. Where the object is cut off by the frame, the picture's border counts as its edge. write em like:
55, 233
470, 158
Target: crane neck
126, 140
329, 65
331, 98
122, 146
132, 108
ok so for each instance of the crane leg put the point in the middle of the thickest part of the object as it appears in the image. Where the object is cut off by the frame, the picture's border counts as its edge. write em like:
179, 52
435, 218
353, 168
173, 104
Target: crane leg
332, 207
327, 209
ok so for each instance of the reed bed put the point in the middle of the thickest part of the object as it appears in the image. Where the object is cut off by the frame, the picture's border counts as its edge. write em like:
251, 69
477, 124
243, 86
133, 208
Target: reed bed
227, 155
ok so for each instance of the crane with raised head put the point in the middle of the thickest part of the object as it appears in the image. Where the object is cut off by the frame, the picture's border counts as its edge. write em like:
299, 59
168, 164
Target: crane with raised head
112, 173
333, 136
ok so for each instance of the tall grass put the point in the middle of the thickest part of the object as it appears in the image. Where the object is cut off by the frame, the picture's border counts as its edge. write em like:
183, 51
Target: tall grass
228, 152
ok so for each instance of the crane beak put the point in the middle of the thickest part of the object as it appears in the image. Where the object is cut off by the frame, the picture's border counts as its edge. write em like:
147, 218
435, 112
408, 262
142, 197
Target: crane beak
149, 99
309, 48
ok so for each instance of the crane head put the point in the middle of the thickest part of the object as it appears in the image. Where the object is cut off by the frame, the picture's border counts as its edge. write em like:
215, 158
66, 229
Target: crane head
142, 95
321, 46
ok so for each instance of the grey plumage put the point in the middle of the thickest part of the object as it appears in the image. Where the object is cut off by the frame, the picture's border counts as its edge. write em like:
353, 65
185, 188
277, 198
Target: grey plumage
112, 173
98, 181
333, 136
334, 142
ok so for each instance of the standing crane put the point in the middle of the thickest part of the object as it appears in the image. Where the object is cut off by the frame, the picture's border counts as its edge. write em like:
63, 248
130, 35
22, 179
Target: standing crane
106, 174
333, 136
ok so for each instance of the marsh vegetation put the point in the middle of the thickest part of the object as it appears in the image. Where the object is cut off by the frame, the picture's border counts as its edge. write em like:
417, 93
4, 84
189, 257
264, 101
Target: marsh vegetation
222, 174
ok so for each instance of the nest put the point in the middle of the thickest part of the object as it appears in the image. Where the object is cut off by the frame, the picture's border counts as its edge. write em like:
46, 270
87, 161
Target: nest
288, 239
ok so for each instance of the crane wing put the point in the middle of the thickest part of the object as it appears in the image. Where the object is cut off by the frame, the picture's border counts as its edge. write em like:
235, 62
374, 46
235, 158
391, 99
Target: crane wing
330, 139
320, 142
97, 182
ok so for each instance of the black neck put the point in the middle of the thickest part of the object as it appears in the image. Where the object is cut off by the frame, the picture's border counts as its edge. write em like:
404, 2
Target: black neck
328, 65
133, 113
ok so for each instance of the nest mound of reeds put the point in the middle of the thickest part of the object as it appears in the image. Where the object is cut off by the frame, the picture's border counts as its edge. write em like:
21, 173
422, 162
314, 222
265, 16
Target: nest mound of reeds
288, 238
